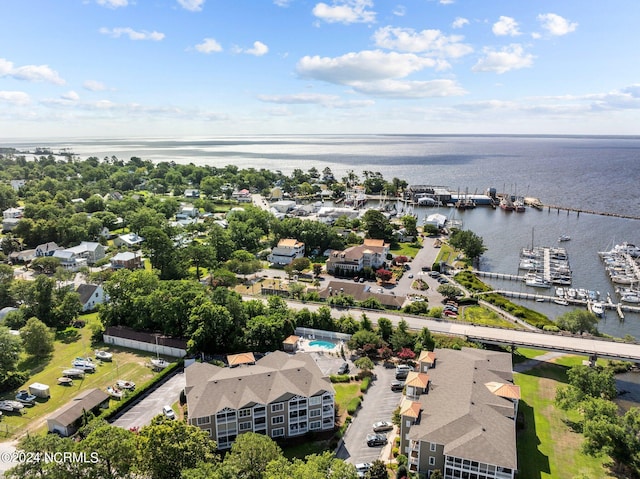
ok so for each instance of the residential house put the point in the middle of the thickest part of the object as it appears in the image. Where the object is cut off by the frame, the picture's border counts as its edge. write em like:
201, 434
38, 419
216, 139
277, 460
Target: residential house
372, 253
13, 213
459, 415
187, 212
287, 250
130, 240
126, 260
281, 395
17, 184
70, 260
283, 206
242, 196
9, 224
91, 295
361, 292
67, 419
90, 250
46, 249
192, 193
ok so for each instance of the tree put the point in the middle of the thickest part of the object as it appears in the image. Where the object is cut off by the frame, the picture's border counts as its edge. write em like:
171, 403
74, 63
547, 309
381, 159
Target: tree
114, 450
401, 337
37, 338
384, 274
449, 291
578, 321
317, 269
470, 243
362, 337
10, 348
586, 382
378, 470
410, 224
364, 363
385, 328
210, 326
250, 454
167, 447
406, 354
425, 340
377, 225
300, 264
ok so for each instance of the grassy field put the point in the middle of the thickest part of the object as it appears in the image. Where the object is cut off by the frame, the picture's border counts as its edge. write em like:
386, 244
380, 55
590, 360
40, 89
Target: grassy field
485, 317
547, 446
406, 249
345, 392
127, 364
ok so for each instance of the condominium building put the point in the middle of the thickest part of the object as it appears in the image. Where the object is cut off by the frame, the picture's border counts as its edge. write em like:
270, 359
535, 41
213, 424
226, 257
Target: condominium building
460, 417
280, 395
372, 253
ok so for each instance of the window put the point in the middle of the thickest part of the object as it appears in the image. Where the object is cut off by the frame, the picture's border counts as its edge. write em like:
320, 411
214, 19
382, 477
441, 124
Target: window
432, 447
277, 407
245, 426
203, 420
432, 461
278, 432
244, 413
315, 412
277, 419
315, 425
315, 400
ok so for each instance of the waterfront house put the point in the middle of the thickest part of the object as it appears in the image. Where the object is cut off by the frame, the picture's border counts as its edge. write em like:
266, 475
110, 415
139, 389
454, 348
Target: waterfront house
287, 250
281, 395
242, 196
372, 253
361, 292
460, 416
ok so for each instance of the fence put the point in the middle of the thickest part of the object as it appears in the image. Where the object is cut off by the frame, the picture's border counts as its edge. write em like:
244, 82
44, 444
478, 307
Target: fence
322, 334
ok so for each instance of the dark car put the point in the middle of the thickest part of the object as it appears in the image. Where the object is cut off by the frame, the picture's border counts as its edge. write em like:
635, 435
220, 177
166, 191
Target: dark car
400, 375
397, 385
376, 440
343, 369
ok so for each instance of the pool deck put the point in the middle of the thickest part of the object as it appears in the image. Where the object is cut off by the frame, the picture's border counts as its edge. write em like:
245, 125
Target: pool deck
305, 346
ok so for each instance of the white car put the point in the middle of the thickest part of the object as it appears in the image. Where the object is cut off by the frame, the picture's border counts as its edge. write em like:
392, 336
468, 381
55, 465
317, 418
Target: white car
362, 468
382, 426
168, 412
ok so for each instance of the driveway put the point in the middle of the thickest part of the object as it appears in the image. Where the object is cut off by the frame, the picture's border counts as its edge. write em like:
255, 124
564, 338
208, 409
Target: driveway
378, 405
144, 411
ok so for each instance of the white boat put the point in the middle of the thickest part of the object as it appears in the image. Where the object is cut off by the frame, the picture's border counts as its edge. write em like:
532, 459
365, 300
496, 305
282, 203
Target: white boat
563, 238
561, 302
597, 309
114, 393
122, 384
536, 281
65, 381
560, 292
73, 373
5, 406
630, 298
16, 405
103, 355
159, 363
86, 364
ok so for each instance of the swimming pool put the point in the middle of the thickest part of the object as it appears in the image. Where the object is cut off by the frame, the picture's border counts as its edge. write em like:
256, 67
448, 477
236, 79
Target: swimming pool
322, 344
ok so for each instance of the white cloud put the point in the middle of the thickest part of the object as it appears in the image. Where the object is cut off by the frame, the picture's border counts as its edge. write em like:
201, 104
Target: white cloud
506, 26
282, 3
132, 34
446, 2
556, 25
364, 66
113, 3
14, 97
511, 57
460, 22
410, 89
34, 73
192, 5
259, 49
299, 98
208, 45
345, 11
94, 85
70, 95
427, 41
400, 11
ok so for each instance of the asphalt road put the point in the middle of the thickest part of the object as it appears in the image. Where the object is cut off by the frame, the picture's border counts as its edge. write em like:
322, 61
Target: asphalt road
378, 405
142, 413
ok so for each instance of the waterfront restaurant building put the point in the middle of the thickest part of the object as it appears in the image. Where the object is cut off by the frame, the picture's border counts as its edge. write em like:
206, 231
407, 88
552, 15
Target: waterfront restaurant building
280, 395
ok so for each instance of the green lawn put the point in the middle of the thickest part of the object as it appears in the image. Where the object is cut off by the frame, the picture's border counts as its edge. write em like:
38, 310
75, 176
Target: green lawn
127, 364
485, 317
345, 392
406, 249
547, 446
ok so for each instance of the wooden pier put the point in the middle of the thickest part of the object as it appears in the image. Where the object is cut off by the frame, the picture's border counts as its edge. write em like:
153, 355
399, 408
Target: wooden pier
570, 209
490, 274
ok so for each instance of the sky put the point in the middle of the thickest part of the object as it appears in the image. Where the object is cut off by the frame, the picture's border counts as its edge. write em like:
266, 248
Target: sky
207, 68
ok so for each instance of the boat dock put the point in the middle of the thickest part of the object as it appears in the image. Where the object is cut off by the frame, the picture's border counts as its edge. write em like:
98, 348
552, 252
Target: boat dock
570, 209
490, 274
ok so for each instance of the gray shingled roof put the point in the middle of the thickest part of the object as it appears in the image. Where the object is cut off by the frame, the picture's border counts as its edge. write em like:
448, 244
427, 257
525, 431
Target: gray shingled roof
276, 377
461, 413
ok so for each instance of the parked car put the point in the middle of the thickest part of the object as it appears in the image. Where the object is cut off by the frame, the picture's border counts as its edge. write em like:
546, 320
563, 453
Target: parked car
376, 439
382, 426
448, 307
426, 268
397, 385
450, 314
434, 274
343, 369
362, 468
168, 412
442, 280
410, 276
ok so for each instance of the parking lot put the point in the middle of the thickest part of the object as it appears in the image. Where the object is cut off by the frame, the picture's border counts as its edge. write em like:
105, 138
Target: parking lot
378, 405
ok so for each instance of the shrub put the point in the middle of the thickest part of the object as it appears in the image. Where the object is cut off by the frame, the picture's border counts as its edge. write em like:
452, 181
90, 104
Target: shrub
353, 405
366, 381
340, 378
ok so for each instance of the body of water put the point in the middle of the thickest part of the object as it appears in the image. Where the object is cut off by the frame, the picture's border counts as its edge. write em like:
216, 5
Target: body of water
592, 173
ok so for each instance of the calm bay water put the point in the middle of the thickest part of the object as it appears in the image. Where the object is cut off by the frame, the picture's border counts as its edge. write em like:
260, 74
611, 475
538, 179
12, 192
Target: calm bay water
593, 173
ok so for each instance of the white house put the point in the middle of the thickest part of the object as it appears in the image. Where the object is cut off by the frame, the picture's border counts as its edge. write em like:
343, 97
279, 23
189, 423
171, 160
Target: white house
372, 253
287, 250
70, 260
91, 295
90, 250
130, 240
46, 249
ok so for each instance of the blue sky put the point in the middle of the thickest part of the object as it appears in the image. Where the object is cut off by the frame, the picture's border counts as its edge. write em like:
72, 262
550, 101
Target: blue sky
151, 68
